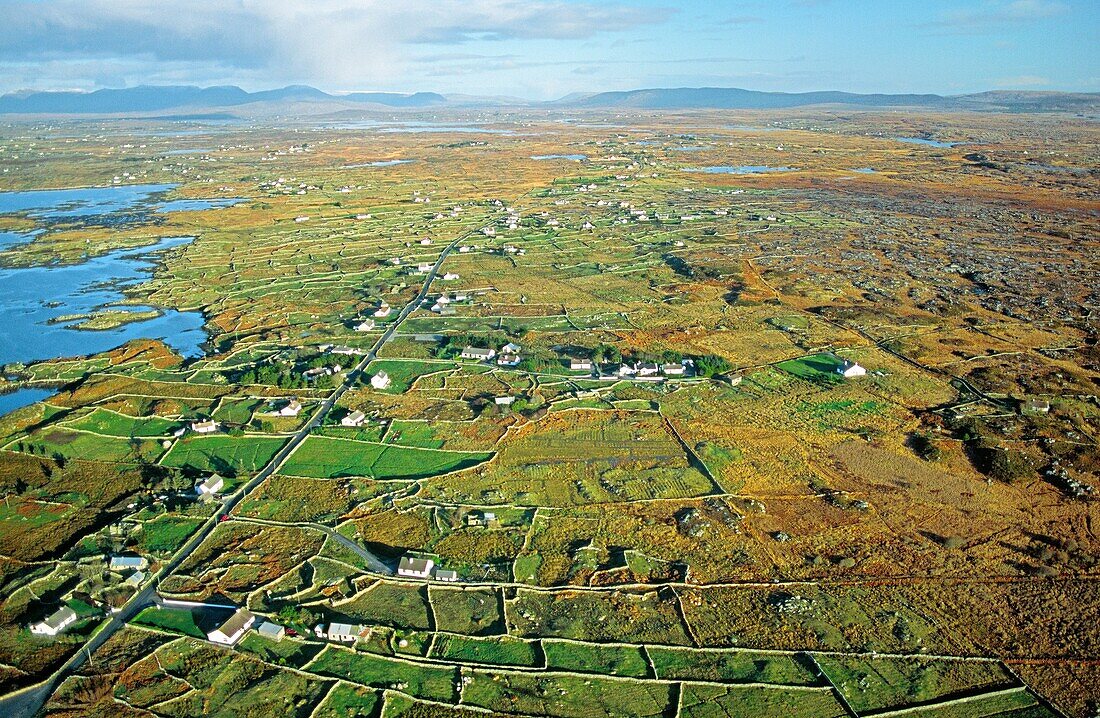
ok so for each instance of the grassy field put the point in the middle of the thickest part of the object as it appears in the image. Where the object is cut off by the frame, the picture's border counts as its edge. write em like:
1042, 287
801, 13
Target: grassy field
502, 651
435, 683
325, 458
226, 455
177, 620
165, 534
109, 423
588, 658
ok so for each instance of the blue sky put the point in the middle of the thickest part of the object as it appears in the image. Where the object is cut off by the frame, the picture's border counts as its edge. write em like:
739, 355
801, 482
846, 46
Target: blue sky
543, 49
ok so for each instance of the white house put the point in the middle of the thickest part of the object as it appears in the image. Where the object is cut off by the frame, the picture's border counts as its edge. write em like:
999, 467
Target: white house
511, 348
127, 563
580, 364
627, 370
425, 242
504, 400
346, 632
355, 418
509, 360
365, 326
135, 579
450, 277
478, 353
209, 426
211, 486
648, 369
672, 369
382, 311
849, 369
442, 574
380, 381
231, 631
57, 622
301, 218
424, 267
291, 408
271, 630
415, 567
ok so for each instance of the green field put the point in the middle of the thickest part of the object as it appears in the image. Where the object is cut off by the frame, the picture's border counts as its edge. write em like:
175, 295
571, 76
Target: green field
404, 372
101, 421
502, 651
435, 683
590, 658
227, 455
165, 534
731, 666
324, 457
176, 620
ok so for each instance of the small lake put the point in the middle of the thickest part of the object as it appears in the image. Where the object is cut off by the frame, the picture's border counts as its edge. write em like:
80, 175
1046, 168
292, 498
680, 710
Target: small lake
79, 201
739, 169
183, 151
379, 163
22, 397
863, 170
575, 158
32, 298
927, 142
195, 205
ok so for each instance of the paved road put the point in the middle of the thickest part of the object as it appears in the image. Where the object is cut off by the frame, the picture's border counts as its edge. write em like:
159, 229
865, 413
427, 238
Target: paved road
29, 702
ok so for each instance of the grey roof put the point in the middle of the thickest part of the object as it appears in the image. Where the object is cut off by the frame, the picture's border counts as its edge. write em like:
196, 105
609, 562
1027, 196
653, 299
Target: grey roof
60, 617
236, 622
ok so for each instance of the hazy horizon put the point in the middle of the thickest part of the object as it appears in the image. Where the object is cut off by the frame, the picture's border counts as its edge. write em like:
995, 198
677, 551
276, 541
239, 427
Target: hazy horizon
546, 49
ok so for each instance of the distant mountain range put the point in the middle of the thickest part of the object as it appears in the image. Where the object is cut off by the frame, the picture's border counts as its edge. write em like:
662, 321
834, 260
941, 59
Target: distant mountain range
304, 100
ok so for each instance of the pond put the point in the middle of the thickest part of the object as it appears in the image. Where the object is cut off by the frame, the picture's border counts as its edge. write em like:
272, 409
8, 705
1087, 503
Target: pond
739, 169
33, 301
379, 163
22, 397
927, 142
575, 158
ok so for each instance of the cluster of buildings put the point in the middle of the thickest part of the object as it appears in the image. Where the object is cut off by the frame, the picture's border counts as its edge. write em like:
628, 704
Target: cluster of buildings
412, 567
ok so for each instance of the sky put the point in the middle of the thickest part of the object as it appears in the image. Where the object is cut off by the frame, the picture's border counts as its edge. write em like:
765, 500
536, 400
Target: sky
544, 49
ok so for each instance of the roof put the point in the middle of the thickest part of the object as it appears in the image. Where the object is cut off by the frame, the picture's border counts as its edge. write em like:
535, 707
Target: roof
237, 622
478, 351
344, 629
419, 565
60, 617
267, 628
127, 561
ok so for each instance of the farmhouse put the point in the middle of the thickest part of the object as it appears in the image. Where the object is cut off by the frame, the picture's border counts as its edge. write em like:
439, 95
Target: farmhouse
1035, 405
648, 369
365, 326
580, 364
442, 574
509, 360
346, 632
209, 426
415, 567
291, 408
450, 277
346, 350
511, 348
504, 400
211, 486
57, 622
271, 630
382, 311
380, 381
135, 579
127, 563
672, 369
478, 353
424, 267
354, 418
231, 631
480, 518
849, 369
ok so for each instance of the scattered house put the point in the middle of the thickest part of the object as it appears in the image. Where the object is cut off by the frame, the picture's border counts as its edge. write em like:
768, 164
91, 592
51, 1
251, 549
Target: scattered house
849, 369
208, 426
415, 567
211, 486
442, 574
580, 364
380, 381
291, 408
365, 326
56, 623
504, 400
626, 370
511, 348
648, 369
382, 311
424, 267
480, 518
346, 632
345, 350
231, 631
1035, 405
302, 218
489, 231
509, 360
478, 353
355, 418
464, 249
425, 242
135, 579
127, 563
271, 630
672, 369
450, 277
